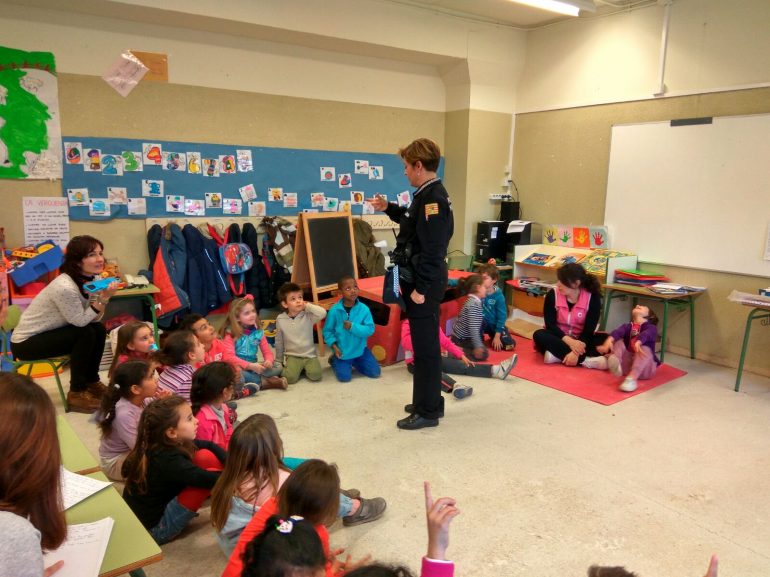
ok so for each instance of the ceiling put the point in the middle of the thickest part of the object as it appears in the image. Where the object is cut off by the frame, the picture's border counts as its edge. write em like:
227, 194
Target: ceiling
510, 13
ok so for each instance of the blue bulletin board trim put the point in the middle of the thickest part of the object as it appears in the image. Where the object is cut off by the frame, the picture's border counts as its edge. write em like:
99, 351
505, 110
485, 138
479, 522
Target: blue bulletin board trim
292, 170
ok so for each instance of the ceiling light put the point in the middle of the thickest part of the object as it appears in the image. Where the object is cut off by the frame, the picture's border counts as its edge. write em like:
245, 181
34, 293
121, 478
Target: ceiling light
566, 7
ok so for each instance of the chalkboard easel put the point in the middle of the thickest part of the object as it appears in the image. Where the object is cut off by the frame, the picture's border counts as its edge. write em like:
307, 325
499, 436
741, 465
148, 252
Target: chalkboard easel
324, 251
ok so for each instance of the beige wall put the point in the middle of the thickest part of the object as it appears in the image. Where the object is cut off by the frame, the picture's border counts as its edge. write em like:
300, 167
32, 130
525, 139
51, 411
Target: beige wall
172, 112
561, 162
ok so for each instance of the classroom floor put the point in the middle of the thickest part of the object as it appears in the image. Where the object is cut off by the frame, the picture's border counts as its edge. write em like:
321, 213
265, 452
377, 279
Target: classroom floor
548, 483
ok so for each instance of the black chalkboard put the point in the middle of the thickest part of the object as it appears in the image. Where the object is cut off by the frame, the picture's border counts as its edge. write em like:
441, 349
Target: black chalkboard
325, 250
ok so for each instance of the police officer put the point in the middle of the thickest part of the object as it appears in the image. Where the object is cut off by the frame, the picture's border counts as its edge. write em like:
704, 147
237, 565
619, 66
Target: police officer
421, 247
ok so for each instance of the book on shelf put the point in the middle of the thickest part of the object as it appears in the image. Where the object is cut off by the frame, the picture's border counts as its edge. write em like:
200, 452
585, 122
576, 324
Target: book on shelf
538, 258
566, 259
665, 288
638, 277
532, 285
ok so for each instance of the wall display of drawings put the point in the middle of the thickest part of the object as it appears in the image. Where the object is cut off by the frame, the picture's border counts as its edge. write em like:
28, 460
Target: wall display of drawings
107, 178
576, 236
30, 133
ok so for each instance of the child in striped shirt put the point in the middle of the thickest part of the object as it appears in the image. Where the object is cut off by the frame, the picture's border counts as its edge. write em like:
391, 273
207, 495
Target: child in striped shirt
181, 354
466, 332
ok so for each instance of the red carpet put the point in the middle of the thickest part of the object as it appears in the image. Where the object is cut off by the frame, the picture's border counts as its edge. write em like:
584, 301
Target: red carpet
597, 386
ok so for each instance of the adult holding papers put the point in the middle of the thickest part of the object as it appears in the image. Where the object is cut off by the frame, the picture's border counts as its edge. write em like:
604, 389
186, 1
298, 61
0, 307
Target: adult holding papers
31, 516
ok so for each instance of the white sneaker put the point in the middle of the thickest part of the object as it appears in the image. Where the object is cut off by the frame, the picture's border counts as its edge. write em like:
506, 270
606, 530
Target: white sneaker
628, 386
613, 364
550, 359
595, 363
504, 369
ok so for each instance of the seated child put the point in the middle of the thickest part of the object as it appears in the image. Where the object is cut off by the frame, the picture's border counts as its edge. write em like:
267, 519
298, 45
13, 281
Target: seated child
181, 354
255, 470
495, 310
169, 474
348, 325
244, 339
466, 332
294, 344
212, 387
131, 384
630, 348
135, 341
456, 364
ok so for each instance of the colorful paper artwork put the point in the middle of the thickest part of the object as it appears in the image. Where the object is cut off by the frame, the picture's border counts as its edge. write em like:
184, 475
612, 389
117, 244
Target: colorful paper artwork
112, 165
404, 198
73, 152
174, 203
330, 204
538, 258
232, 206
328, 174
344, 180
258, 208
152, 187
343, 206
132, 161
317, 199
152, 153
98, 207
248, 192
580, 237
598, 236
244, 160
290, 200
361, 167
213, 200
211, 167
275, 194
77, 196
375, 173
194, 162
175, 161
137, 206
576, 236
117, 194
93, 160
356, 197
367, 208
194, 207
30, 133
227, 164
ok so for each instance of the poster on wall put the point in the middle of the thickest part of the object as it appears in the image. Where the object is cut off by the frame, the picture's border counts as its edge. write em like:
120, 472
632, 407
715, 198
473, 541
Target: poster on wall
46, 218
30, 133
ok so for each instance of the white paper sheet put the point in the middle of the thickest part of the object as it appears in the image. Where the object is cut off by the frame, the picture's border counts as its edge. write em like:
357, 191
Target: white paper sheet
75, 488
84, 549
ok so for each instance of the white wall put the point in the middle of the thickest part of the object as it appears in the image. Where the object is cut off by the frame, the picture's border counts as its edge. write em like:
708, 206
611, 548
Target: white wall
713, 45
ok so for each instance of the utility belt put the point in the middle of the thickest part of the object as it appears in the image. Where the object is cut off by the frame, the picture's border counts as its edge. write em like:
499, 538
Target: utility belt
402, 257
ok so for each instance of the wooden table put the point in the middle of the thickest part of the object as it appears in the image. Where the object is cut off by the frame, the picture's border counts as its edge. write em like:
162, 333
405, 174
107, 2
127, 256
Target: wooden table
130, 546
756, 312
74, 455
144, 295
614, 290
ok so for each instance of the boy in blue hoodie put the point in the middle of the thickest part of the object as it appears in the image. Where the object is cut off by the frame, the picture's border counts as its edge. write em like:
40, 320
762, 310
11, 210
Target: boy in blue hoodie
495, 310
348, 325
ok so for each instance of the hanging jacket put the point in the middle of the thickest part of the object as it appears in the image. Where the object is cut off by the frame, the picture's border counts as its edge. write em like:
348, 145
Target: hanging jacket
205, 283
168, 274
257, 278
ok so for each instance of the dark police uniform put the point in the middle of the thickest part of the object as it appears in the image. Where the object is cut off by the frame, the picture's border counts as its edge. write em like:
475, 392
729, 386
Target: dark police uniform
425, 229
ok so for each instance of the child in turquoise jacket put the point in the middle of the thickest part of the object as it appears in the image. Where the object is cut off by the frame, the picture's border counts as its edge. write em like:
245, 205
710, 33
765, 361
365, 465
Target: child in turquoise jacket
348, 325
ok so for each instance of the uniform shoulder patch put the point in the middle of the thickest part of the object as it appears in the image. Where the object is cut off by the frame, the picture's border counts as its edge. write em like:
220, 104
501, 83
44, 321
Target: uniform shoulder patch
431, 209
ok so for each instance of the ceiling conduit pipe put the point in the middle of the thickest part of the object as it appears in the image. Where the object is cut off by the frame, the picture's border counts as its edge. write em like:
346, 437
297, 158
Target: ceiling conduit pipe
664, 46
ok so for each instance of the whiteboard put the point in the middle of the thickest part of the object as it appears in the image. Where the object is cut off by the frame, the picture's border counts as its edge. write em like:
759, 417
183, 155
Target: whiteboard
695, 196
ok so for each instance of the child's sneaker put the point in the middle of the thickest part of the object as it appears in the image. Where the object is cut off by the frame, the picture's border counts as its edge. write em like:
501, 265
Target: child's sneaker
550, 359
599, 363
462, 391
248, 390
446, 387
628, 385
368, 510
502, 370
613, 364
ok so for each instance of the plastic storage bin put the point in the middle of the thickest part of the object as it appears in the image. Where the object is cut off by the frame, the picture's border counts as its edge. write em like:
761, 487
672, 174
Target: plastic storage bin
37, 266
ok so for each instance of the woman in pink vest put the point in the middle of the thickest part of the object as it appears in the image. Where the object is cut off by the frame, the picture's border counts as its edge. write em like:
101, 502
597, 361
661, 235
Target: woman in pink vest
571, 313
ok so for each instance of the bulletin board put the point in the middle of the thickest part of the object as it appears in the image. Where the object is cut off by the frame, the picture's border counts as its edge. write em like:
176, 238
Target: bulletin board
111, 178
693, 194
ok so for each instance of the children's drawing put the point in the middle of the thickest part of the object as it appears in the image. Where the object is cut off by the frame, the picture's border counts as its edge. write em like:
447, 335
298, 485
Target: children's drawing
248, 192
330, 204
175, 161
174, 203
244, 160
132, 161
258, 208
194, 162
344, 180
275, 194
580, 237
152, 153
73, 152
404, 198
367, 208
93, 160
316, 199
361, 167
152, 187
213, 200
117, 194
375, 173
328, 174
137, 206
98, 207
549, 235
356, 197
194, 207
77, 196
112, 165
211, 167
232, 206
343, 206
599, 237
290, 200
227, 164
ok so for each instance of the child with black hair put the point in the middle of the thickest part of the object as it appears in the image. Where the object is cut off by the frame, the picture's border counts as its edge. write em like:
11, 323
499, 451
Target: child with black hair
212, 387
630, 349
466, 332
132, 383
169, 474
348, 324
288, 547
181, 354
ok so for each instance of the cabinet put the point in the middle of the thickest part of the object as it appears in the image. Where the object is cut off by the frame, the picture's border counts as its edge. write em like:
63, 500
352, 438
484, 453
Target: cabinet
601, 262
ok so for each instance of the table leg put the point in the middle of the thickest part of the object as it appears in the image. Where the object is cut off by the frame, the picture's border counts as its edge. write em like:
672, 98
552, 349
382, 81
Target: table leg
607, 302
663, 332
746, 333
692, 327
